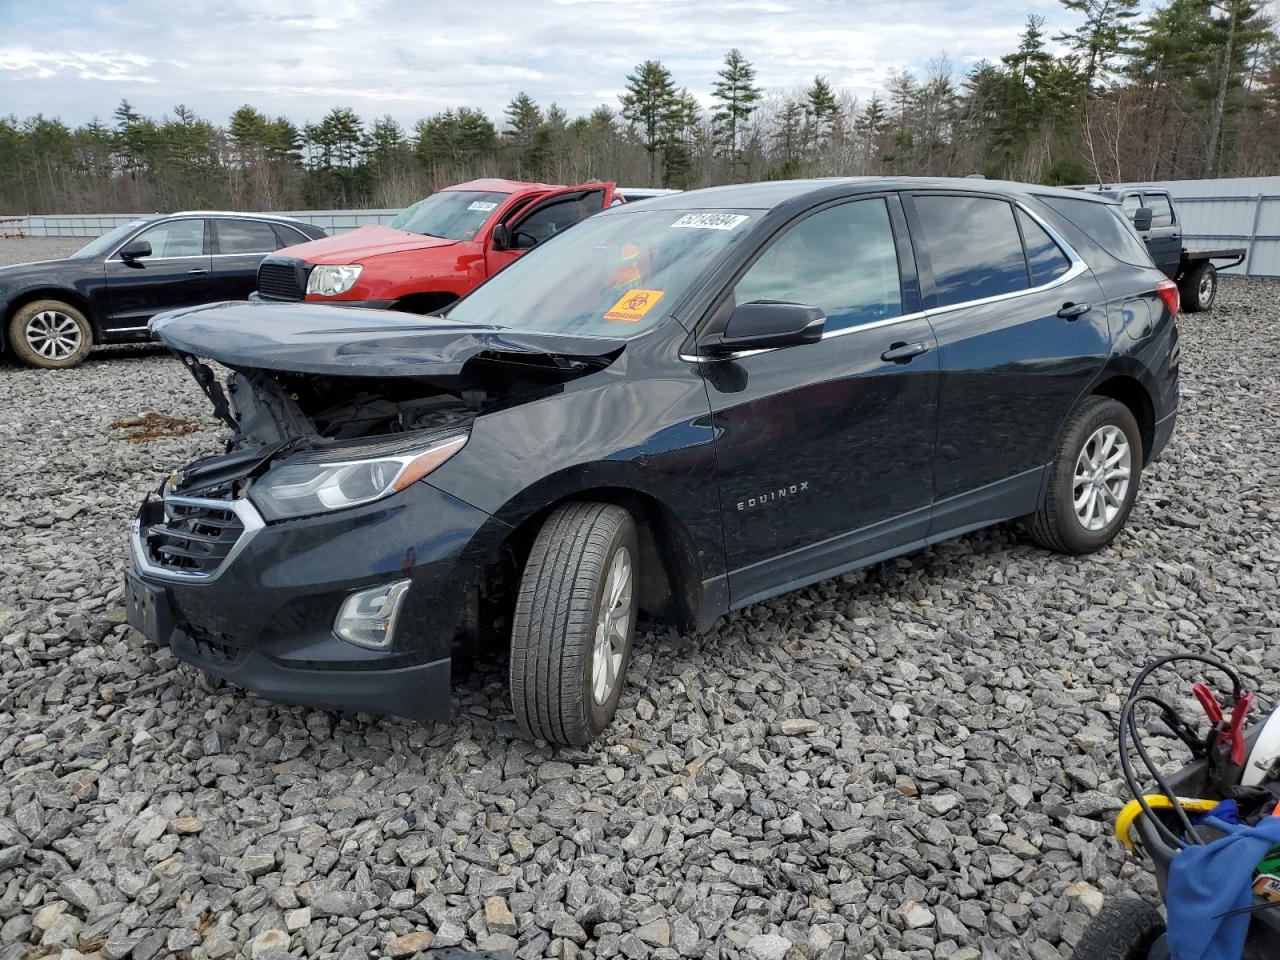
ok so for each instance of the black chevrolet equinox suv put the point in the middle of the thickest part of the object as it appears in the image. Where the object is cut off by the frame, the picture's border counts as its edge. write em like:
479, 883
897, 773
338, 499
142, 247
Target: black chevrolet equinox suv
679, 407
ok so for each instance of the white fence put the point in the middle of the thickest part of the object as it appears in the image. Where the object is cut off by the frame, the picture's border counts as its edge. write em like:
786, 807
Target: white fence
1230, 212
96, 224
1237, 212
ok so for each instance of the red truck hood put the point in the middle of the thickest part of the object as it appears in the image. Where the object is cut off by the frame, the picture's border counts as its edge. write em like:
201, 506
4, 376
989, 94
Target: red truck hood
357, 245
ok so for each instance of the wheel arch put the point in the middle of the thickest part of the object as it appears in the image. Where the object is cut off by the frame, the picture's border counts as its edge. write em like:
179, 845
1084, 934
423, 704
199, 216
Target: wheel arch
67, 295
424, 302
670, 574
1129, 391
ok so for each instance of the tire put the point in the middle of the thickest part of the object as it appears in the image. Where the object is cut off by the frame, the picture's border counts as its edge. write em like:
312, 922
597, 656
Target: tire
1199, 288
1125, 928
1078, 518
558, 616
50, 334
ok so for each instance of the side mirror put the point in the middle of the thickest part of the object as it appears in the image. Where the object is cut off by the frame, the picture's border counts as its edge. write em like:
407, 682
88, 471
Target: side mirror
1142, 219
501, 236
135, 250
765, 324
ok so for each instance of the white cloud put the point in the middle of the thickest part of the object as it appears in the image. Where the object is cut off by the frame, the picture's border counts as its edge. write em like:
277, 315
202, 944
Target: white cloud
411, 58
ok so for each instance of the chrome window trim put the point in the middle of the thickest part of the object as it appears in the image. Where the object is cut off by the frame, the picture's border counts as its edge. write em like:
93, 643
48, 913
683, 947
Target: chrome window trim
1078, 266
242, 508
205, 217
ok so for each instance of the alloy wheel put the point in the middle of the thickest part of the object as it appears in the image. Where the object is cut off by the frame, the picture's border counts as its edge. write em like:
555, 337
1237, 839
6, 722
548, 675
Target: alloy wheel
1101, 482
53, 335
613, 623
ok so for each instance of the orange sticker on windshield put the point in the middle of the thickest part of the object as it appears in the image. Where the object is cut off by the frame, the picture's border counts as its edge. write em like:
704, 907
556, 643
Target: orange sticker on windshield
633, 305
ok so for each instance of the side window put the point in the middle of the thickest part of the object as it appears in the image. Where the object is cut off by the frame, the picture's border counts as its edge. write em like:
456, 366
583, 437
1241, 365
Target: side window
1131, 203
175, 238
973, 247
288, 236
1046, 259
842, 259
1105, 225
1161, 210
554, 218
245, 236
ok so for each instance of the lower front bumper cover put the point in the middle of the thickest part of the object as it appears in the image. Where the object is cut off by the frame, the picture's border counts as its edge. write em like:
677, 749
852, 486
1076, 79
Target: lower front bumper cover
417, 691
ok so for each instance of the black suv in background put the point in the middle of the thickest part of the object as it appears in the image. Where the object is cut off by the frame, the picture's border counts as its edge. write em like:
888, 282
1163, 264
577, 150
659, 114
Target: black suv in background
681, 406
54, 311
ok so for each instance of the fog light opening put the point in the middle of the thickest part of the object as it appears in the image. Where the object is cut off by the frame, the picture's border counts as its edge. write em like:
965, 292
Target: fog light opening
368, 618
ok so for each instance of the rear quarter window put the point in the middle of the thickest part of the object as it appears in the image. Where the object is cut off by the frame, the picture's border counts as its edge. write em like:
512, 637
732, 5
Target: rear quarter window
1105, 224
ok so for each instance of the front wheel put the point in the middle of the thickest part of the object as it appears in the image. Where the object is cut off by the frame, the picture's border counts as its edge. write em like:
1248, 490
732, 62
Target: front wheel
574, 622
50, 334
1199, 288
1093, 481
1126, 928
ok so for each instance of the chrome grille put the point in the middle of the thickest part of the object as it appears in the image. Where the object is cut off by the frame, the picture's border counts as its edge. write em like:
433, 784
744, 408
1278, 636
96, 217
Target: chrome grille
192, 537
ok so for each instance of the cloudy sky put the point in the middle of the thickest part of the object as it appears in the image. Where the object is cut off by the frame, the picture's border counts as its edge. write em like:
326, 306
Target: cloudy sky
410, 58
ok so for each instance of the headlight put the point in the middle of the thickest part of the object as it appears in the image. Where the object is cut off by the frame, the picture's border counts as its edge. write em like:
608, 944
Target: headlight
329, 281
302, 487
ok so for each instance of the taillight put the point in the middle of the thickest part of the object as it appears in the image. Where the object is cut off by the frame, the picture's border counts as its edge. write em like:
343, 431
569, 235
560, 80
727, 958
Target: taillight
1167, 291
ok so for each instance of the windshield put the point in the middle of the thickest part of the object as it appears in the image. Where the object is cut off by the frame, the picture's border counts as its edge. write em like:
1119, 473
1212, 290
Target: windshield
451, 214
610, 276
108, 240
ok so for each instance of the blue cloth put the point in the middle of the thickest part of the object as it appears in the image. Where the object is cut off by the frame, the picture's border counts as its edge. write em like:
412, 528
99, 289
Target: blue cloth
1208, 881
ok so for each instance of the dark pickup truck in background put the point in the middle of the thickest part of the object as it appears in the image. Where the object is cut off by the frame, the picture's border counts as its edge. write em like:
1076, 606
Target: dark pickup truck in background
1154, 216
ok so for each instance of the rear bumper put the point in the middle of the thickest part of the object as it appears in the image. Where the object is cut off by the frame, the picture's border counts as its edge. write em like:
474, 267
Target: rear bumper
1162, 434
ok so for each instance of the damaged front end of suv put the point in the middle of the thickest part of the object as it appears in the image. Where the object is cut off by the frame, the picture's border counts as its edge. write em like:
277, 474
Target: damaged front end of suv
312, 560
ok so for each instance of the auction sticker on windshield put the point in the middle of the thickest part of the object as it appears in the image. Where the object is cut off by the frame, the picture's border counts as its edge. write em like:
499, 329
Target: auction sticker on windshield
633, 305
711, 221
482, 205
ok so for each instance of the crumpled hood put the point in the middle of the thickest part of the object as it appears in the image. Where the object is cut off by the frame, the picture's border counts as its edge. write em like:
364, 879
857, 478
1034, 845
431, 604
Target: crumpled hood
357, 245
352, 341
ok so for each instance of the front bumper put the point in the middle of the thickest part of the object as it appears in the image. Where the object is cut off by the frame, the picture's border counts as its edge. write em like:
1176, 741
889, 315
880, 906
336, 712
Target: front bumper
263, 619
328, 301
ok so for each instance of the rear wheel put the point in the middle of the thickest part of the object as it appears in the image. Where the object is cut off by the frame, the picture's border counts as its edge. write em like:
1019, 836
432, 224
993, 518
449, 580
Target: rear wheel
1093, 481
50, 334
574, 622
1126, 928
1199, 288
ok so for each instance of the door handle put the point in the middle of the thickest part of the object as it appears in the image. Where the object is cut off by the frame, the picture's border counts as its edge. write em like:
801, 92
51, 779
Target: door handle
1070, 311
196, 272
903, 352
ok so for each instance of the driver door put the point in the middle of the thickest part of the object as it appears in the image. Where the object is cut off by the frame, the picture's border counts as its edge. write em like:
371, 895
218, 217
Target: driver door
826, 449
176, 274
554, 213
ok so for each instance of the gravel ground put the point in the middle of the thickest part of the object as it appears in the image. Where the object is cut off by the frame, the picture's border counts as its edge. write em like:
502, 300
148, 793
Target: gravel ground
911, 761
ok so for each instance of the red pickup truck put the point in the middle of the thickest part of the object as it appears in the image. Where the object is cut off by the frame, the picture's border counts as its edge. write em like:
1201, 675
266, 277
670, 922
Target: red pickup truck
432, 252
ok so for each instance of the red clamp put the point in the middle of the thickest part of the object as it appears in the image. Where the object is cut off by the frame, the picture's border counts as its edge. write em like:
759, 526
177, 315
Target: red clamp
1228, 733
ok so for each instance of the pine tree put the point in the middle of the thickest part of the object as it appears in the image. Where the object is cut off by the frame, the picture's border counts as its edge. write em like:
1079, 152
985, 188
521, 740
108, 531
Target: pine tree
680, 127
1103, 37
524, 121
646, 105
736, 93
822, 107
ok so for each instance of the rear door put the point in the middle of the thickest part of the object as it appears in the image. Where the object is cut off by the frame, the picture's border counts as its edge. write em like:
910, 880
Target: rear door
239, 246
1022, 330
825, 449
1164, 239
176, 274
541, 220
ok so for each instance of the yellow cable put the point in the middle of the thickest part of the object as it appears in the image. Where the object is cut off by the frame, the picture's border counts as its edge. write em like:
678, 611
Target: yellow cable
1156, 801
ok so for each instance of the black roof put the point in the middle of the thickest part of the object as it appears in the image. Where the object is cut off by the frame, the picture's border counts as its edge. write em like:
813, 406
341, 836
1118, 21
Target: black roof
772, 193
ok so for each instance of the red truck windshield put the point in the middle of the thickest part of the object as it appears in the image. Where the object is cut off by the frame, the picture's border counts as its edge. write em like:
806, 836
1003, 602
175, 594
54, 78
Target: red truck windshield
451, 214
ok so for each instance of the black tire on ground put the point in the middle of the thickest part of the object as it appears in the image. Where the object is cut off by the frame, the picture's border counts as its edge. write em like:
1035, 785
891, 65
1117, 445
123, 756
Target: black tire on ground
1056, 524
50, 334
1124, 929
1199, 288
553, 631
